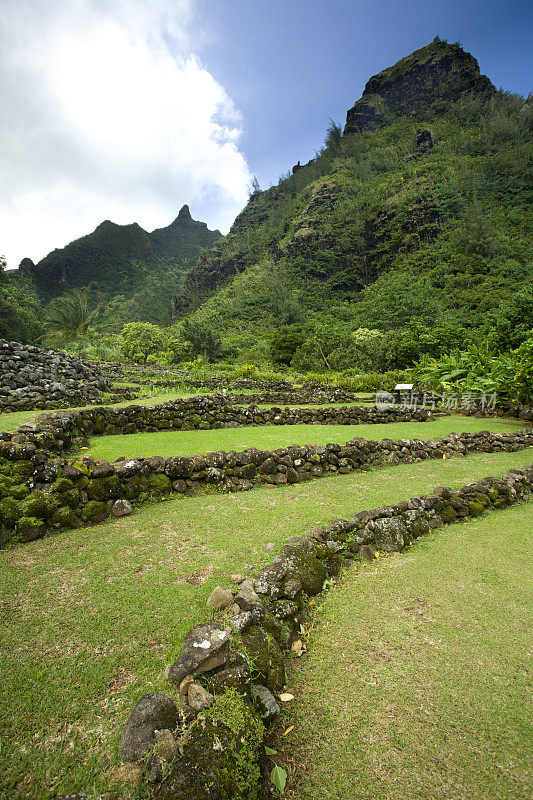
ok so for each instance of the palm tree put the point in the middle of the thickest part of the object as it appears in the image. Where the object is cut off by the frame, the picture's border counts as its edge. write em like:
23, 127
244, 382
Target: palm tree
69, 316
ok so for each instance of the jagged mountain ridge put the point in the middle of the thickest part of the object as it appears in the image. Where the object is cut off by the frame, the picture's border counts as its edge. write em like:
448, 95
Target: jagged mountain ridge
434, 75
431, 194
104, 257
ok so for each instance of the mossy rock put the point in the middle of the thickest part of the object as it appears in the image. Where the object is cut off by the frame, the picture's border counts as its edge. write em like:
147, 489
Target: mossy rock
39, 504
272, 625
475, 509
19, 492
247, 471
10, 511
64, 518
62, 485
305, 566
159, 483
221, 755
82, 466
483, 499
448, 514
265, 656
285, 608
95, 511
30, 528
70, 498
104, 488
134, 486
6, 486
22, 469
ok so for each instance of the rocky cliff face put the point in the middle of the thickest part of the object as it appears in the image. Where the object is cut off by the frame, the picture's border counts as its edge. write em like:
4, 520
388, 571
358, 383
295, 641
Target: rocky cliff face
428, 78
104, 257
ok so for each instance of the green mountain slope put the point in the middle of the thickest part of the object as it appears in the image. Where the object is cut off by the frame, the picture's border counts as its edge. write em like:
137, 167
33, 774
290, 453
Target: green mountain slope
418, 212
125, 261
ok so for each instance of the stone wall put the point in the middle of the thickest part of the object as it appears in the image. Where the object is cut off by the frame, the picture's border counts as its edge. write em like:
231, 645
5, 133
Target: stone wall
300, 396
41, 492
34, 378
201, 741
203, 413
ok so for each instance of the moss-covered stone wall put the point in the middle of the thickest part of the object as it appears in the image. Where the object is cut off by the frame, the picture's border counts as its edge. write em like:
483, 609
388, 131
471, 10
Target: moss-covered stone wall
41, 491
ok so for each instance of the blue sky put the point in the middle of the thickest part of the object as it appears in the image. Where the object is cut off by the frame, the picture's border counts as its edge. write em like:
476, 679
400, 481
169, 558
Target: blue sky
127, 109
291, 65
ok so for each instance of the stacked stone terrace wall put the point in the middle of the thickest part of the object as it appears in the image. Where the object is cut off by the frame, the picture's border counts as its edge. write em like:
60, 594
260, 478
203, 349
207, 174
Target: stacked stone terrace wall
211, 412
34, 378
205, 740
40, 491
170, 377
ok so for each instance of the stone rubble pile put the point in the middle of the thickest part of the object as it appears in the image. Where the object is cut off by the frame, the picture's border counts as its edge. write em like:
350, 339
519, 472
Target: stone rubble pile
31, 377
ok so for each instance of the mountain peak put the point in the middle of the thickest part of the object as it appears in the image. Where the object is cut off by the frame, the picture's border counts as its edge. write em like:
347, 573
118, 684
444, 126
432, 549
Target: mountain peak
433, 76
185, 213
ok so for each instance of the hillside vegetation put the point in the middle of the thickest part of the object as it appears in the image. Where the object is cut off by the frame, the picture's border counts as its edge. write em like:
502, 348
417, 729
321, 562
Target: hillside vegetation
137, 271
418, 220
407, 237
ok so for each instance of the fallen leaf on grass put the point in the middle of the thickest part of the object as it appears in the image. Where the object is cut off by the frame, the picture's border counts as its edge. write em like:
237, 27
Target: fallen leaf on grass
297, 648
285, 698
288, 730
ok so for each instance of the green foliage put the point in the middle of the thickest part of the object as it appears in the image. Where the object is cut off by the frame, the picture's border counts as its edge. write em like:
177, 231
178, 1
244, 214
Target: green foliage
70, 316
377, 236
478, 370
20, 317
512, 322
284, 344
141, 339
278, 778
203, 341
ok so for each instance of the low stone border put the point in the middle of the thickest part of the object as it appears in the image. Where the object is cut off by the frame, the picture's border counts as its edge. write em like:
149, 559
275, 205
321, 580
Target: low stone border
63, 429
304, 396
207, 741
39, 493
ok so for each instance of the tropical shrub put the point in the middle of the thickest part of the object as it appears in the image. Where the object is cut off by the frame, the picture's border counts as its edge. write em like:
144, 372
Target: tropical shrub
478, 370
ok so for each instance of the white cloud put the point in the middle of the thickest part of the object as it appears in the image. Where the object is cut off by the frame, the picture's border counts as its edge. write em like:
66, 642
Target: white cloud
108, 114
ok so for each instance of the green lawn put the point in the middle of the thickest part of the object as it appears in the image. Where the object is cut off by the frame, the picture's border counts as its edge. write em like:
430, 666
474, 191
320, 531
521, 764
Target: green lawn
417, 684
91, 617
269, 437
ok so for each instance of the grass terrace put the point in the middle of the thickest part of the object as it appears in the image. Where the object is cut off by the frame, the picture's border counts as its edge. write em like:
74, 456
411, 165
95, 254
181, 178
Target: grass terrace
90, 617
433, 699
269, 437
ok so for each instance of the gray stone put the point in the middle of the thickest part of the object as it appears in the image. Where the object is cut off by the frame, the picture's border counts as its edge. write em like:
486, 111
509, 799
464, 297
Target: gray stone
130, 774
239, 622
265, 702
121, 508
198, 697
204, 648
367, 552
152, 712
389, 534
247, 598
219, 598
166, 745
